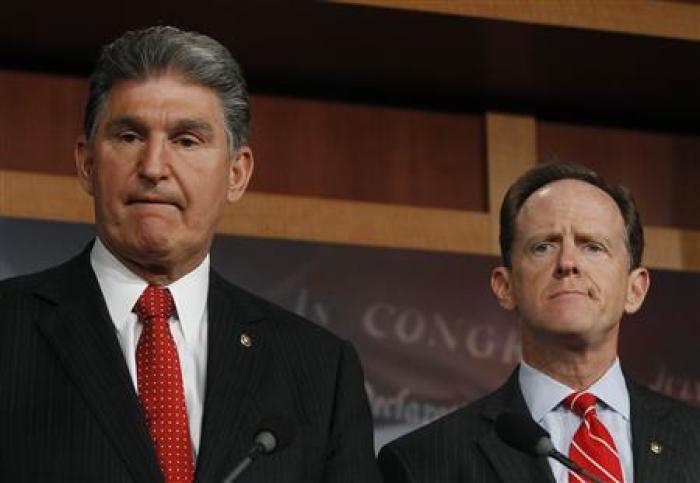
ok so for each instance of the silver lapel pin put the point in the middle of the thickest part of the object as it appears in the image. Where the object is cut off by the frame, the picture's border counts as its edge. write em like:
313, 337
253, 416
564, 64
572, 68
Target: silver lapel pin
246, 341
656, 447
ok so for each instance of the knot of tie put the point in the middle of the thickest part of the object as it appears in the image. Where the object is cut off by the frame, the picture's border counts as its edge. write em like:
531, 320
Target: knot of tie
581, 403
155, 302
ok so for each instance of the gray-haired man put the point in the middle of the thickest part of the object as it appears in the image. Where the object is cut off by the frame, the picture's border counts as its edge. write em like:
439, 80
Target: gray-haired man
136, 362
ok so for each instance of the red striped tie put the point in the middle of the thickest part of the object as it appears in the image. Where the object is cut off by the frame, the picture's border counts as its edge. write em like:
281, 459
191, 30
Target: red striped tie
592, 447
160, 386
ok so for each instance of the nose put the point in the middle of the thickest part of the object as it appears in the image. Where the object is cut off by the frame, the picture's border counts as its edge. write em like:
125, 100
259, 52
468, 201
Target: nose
153, 163
567, 261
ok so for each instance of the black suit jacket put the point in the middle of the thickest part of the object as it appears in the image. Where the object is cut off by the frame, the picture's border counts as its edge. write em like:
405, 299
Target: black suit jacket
69, 411
463, 446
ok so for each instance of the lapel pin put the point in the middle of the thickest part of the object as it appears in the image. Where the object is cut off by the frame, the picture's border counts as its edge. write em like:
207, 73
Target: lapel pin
246, 341
656, 447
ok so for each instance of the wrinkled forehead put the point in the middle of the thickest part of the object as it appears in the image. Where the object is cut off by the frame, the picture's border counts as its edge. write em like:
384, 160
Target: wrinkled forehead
570, 204
163, 92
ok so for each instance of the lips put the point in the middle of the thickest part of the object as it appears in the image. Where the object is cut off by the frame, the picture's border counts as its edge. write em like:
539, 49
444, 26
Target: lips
568, 292
151, 200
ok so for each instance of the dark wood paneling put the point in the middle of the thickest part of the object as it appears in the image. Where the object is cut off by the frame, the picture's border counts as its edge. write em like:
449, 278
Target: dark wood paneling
369, 153
302, 147
309, 48
661, 169
40, 119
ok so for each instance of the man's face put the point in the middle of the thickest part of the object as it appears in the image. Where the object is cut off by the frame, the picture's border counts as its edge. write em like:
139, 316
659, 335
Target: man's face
570, 274
160, 171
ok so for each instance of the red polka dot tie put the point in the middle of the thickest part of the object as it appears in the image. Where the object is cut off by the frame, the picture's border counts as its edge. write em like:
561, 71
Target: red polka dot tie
593, 447
160, 386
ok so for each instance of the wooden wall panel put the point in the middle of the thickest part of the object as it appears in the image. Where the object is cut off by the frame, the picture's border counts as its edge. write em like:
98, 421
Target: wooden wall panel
44, 197
40, 119
362, 151
302, 147
60, 198
661, 169
369, 153
663, 18
511, 151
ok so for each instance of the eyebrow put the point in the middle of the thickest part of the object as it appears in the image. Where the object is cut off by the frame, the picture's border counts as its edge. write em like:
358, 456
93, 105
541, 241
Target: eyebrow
199, 125
131, 122
121, 122
554, 235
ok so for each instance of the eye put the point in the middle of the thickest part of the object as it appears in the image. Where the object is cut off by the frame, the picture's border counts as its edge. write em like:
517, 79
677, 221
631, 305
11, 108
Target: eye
128, 137
594, 247
542, 248
187, 141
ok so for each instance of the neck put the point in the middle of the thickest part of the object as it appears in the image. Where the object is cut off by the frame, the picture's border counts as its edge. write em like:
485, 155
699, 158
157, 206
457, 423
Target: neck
578, 366
156, 271
157, 274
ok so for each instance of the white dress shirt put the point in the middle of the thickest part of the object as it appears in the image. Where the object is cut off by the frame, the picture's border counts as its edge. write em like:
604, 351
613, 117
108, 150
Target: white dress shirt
121, 289
543, 396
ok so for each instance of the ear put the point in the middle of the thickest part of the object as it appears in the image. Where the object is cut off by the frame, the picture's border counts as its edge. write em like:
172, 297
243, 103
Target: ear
638, 283
85, 164
502, 287
240, 171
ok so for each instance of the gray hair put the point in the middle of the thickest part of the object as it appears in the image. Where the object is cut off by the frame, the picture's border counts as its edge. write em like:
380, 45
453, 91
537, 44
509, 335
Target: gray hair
140, 54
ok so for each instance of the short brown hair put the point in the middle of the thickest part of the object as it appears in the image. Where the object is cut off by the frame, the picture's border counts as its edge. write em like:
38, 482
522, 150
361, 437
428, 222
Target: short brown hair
544, 174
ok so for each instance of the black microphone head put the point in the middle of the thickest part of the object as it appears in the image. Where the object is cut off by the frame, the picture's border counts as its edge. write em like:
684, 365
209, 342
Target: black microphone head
275, 433
521, 432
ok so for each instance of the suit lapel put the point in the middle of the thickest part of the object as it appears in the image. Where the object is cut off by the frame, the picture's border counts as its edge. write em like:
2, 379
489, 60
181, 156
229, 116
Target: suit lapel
78, 328
657, 441
655, 437
234, 367
512, 466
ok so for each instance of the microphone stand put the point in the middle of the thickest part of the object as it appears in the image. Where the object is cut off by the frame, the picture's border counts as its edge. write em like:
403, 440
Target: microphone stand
553, 453
254, 452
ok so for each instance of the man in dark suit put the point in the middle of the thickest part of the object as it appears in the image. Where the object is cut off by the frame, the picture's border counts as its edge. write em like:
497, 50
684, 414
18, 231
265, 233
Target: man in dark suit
136, 362
572, 248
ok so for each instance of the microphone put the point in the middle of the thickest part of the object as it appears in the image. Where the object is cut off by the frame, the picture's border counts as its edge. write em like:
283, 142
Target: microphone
519, 431
274, 433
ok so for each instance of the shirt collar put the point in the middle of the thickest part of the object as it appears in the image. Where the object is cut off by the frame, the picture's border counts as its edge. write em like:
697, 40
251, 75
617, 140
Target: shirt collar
543, 394
611, 389
121, 289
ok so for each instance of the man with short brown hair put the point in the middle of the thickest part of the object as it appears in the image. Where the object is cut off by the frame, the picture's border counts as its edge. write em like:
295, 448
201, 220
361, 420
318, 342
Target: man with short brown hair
572, 247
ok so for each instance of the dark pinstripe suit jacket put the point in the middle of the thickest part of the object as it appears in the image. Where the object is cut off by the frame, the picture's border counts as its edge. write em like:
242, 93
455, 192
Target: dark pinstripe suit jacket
69, 412
463, 446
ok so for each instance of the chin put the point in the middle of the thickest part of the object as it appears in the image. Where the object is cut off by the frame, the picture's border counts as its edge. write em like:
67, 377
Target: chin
574, 325
565, 324
147, 245
158, 250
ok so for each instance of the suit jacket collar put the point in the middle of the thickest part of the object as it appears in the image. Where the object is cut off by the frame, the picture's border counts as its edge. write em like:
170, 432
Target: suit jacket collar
237, 355
76, 324
510, 464
658, 441
78, 328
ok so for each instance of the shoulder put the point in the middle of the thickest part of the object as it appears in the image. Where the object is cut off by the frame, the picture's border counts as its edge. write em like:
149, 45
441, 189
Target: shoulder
643, 399
16, 288
26, 297
447, 442
464, 425
675, 424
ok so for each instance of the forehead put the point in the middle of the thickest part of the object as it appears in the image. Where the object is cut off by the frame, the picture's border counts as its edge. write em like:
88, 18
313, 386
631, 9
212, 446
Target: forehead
166, 97
572, 205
